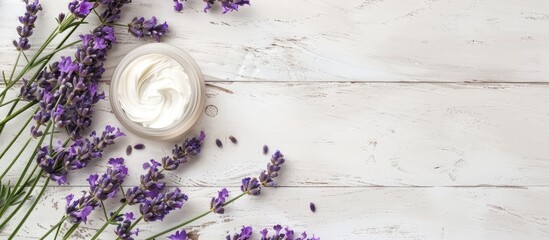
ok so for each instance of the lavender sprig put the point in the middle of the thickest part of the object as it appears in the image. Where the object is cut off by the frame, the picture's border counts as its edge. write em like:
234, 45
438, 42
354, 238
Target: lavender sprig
267, 177
217, 203
179, 235
58, 162
68, 91
101, 188
79, 8
244, 234
154, 202
27, 21
287, 234
250, 186
161, 205
123, 229
139, 27
227, 5
151, 183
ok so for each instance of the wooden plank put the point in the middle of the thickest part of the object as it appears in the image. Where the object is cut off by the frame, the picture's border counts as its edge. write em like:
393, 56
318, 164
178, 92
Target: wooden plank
342, 213
359, 134
310, 40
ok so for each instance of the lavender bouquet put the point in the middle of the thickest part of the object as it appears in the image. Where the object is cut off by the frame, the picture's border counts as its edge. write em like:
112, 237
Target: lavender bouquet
61, 96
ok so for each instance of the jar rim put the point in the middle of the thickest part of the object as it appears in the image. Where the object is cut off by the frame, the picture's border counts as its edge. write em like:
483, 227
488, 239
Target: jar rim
180, 127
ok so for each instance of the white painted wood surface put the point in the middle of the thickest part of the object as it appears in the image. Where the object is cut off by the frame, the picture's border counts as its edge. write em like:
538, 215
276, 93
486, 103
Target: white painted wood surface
393, 160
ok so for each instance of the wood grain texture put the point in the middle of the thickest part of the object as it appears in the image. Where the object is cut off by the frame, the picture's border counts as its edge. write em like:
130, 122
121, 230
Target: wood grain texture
358, 134
369, 213
375, 103
357, 40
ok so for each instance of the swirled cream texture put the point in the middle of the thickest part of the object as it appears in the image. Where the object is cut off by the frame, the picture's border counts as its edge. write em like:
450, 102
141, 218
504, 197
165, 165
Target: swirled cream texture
154, 91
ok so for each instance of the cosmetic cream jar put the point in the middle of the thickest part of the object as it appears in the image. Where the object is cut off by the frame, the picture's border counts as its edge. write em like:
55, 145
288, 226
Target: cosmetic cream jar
157, 91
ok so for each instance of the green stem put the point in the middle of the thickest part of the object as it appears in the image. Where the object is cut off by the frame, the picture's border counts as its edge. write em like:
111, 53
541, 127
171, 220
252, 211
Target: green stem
15, 138
30, 65
35, 181
109, 220
71, 230
7, 169
15, 65
57, 231
11, 74
14, 104
8, 102
27, 214
133, 224
21, 110
104, 211
57, 225
193, 219
15, 159
3, 224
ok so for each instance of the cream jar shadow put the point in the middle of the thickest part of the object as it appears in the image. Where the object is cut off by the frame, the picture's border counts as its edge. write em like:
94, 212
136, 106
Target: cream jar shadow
157, 91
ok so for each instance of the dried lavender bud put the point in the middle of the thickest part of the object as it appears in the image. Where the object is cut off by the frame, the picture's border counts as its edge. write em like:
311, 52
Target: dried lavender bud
233, 139
312, 207
218, 143
129, 150
139, 146
265, 149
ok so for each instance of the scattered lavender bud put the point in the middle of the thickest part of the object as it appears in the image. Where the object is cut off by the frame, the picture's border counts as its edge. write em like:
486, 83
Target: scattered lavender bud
218, 143
129, 150
233, 139
265, 149
139, 146
312, 207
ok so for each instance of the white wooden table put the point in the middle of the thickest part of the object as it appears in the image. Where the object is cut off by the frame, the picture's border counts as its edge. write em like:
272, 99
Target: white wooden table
399, 119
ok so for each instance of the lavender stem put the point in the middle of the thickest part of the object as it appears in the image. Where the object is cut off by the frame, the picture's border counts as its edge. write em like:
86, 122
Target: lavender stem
27, 214
193, 219
57, 225
109, 220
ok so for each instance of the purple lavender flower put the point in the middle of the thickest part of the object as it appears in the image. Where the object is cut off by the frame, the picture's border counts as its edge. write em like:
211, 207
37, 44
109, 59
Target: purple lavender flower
179, 235
139, 27
28, 90
151, 180
228, 6
68, 91
100, 189
27, 21
123, 231
106, 187
78, 210
251, 186
216, 205
151, 185
208, 5
178, 5
190, 148
80, 8
288, 234
245, 233
77, 156
161, 205
266, 177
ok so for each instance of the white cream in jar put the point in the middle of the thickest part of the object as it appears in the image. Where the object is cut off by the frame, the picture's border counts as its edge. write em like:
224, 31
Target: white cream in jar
157, 91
